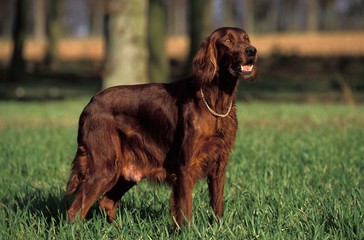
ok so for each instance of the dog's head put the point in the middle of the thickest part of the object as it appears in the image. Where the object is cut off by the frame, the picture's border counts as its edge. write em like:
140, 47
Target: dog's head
228, 53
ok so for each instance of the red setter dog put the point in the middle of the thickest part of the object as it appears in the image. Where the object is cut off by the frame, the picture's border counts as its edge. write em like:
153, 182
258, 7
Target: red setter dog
177, 133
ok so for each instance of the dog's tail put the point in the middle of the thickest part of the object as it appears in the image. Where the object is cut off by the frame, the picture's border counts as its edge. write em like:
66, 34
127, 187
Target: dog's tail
78, 172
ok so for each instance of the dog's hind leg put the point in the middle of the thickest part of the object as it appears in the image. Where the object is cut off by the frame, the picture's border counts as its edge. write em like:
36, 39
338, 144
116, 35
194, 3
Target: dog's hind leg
90, 191
111, 199
101, 175
75, 182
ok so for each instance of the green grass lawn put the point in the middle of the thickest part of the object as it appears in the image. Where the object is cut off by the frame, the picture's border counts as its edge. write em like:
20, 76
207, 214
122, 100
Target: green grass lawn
297, 172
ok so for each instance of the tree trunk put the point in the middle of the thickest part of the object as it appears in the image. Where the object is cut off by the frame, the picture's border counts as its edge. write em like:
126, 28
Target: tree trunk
200, 25
313, 16
228, 13
126, 43
96, 16
39, 19
17, 63
54, 32
249, 16
158, 61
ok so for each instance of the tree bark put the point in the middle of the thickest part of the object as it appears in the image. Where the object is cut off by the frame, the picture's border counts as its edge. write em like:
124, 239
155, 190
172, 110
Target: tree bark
39, 19
54, 33
313, 16
17, 63
97, 8
126, 43
248, 17
158, 61
200, 25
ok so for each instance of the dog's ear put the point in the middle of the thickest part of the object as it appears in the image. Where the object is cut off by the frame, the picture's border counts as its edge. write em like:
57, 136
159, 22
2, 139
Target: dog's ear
204, 63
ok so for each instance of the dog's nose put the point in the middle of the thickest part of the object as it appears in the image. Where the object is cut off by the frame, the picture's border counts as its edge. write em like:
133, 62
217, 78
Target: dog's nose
250, 51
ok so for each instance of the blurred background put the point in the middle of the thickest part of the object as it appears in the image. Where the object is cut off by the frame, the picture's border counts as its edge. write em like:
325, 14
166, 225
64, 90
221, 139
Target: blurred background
309, 50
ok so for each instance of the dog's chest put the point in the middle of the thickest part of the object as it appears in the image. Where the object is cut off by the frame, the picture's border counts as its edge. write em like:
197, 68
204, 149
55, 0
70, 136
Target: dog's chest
225, 126
211, 145
218, 128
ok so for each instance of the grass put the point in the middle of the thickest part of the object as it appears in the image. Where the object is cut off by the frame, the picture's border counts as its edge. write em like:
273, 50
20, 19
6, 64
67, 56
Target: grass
297, 172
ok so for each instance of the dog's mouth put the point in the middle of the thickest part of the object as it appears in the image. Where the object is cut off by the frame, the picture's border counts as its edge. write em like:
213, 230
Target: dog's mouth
247, 69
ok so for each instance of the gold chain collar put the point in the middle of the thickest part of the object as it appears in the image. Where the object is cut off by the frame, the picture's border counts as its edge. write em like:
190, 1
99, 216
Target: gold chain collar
212, 111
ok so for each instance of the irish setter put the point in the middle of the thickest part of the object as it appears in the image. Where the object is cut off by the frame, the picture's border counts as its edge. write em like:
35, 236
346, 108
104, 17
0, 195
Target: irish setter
178, 133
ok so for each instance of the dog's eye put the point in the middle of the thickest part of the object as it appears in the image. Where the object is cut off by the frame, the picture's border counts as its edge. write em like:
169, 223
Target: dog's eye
246, 38
228, 40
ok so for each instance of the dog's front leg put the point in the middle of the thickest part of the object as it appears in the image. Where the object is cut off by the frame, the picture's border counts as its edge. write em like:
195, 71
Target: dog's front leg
216, 183
181, 200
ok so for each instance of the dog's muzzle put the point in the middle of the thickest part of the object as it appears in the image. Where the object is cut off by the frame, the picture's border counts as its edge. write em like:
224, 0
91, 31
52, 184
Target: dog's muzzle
247, 69
245, 66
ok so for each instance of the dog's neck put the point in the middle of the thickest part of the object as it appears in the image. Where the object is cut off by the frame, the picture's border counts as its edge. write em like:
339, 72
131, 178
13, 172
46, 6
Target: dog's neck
220, 93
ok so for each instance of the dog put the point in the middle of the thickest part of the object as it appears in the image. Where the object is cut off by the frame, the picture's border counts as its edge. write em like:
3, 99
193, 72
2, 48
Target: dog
177, 133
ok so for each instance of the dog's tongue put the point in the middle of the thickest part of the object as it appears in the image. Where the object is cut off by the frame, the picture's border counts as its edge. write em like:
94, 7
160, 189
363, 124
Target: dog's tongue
247, 69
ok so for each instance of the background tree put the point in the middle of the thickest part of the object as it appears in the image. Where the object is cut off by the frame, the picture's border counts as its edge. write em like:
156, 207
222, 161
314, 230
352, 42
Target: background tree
248, 15
158, 61
126, 42
96, 20
313, 16
17, 63
54, 31
200, 25
39, 19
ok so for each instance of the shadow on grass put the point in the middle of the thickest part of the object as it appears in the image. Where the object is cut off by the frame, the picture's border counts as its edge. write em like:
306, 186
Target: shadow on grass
49, 207
39, 204
140, 210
